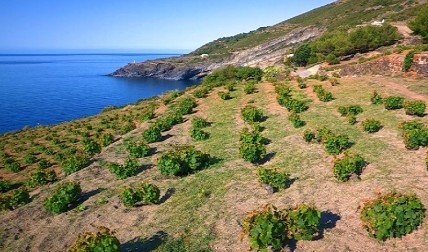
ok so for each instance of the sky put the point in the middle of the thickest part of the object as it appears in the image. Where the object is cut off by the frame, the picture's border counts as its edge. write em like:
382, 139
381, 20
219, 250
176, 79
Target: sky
134, 25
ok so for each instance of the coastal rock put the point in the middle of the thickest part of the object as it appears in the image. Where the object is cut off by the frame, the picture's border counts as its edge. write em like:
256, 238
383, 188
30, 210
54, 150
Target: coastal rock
195, 67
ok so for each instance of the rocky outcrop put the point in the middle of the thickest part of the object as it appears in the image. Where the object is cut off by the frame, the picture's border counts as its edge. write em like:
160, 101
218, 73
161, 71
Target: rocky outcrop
181, 68
420, 64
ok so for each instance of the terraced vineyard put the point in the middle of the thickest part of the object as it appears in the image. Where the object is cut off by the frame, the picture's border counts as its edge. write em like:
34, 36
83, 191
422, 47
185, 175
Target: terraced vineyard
204, 208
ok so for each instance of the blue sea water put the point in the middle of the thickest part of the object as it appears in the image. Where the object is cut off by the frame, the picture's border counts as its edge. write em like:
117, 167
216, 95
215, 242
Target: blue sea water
52, 88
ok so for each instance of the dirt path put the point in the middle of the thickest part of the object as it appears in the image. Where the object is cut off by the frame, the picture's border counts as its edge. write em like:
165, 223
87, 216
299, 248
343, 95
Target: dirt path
400, 88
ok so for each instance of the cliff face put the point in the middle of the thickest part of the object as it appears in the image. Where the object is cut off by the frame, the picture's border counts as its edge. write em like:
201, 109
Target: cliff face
181, 68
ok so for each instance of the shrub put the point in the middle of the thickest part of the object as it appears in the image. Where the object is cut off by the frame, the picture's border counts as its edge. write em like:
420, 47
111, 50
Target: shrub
308, 136
251, 137
201, 92
408, 61
376, 98
249, 88
182, 161
273, 178
127, 127
137, 149
74, 163
13, 199
170, 96
43, 164
372, 126
91, 147
335, 144
5, 185
65, 195
14, 166
224, 95
106, 139
350, 110
198, 134
322, 94
393, 102
199, 123
145, 193
185, 105
302, 222
128, 169
295, 120
282, 90
148, 114
334, 82
415, 134
168, 121
350, 164
29, 158
103, 240
152, 134
352, 119
265, 228
415, 108
392, 215
302, 85
230, 86
41, 177
252, 152
252, 114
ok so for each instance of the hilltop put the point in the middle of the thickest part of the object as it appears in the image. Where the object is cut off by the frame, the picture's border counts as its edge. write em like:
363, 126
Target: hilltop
268, 45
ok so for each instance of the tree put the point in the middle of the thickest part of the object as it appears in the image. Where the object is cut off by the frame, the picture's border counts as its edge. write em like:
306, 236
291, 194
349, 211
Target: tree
420, 24
302, 55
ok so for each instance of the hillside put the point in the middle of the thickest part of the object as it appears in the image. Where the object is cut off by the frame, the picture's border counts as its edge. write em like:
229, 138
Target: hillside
268, 45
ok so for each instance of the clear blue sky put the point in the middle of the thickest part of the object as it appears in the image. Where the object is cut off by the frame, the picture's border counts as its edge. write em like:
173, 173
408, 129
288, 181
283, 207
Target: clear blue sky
135, 25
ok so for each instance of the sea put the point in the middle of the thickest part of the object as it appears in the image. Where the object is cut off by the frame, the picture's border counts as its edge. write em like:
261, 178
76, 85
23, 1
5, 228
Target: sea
46, 89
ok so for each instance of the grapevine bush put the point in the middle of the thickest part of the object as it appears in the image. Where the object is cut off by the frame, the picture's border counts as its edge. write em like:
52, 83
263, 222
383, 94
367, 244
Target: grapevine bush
13, 199
249, 87
41, 177
74, 163
198, 134
393, 102
252, 152
295, 120
350, 110
392, 215
5, 185
182, 161
251, 114
349, 164
372, 126
199, 123
224, 95
376, 99
145, 193
137, 149
273, 178
415, 108
103, 240
65, 195
322, 94
415, 134
152, 134
302, 222
128, 169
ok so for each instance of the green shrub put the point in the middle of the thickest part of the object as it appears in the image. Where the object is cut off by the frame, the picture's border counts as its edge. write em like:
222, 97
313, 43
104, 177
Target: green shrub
295, 120
350, 164
13, 199
199, 123
224, 95
29, 158
292, 104
335, 144
182, 161
273, 178
13, 166
137, 149
265, 228
415, 108
392, 215
302, 222
249, 88
128, 169
415, 134
145, 193
184, 106
334, 82
372, 126
350, 110
376, 99
198, 134
169, 120
74, 163
43, 164
408, 61
230, 86
103, 240
302, 85
41, 177
251, 137
127, 127
5, 185
252, 152
282, 90
106, 139
352, 119
308, 136
65, 195
169, 96
91, 147
152, 134
148, 114
252, 114
201, 92
322, 94
393, 102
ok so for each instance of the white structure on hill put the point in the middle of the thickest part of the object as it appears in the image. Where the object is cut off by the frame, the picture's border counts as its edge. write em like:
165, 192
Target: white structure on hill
378, 23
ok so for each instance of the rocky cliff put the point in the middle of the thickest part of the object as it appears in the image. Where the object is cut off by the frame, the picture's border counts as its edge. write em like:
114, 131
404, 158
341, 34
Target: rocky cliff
194, 67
